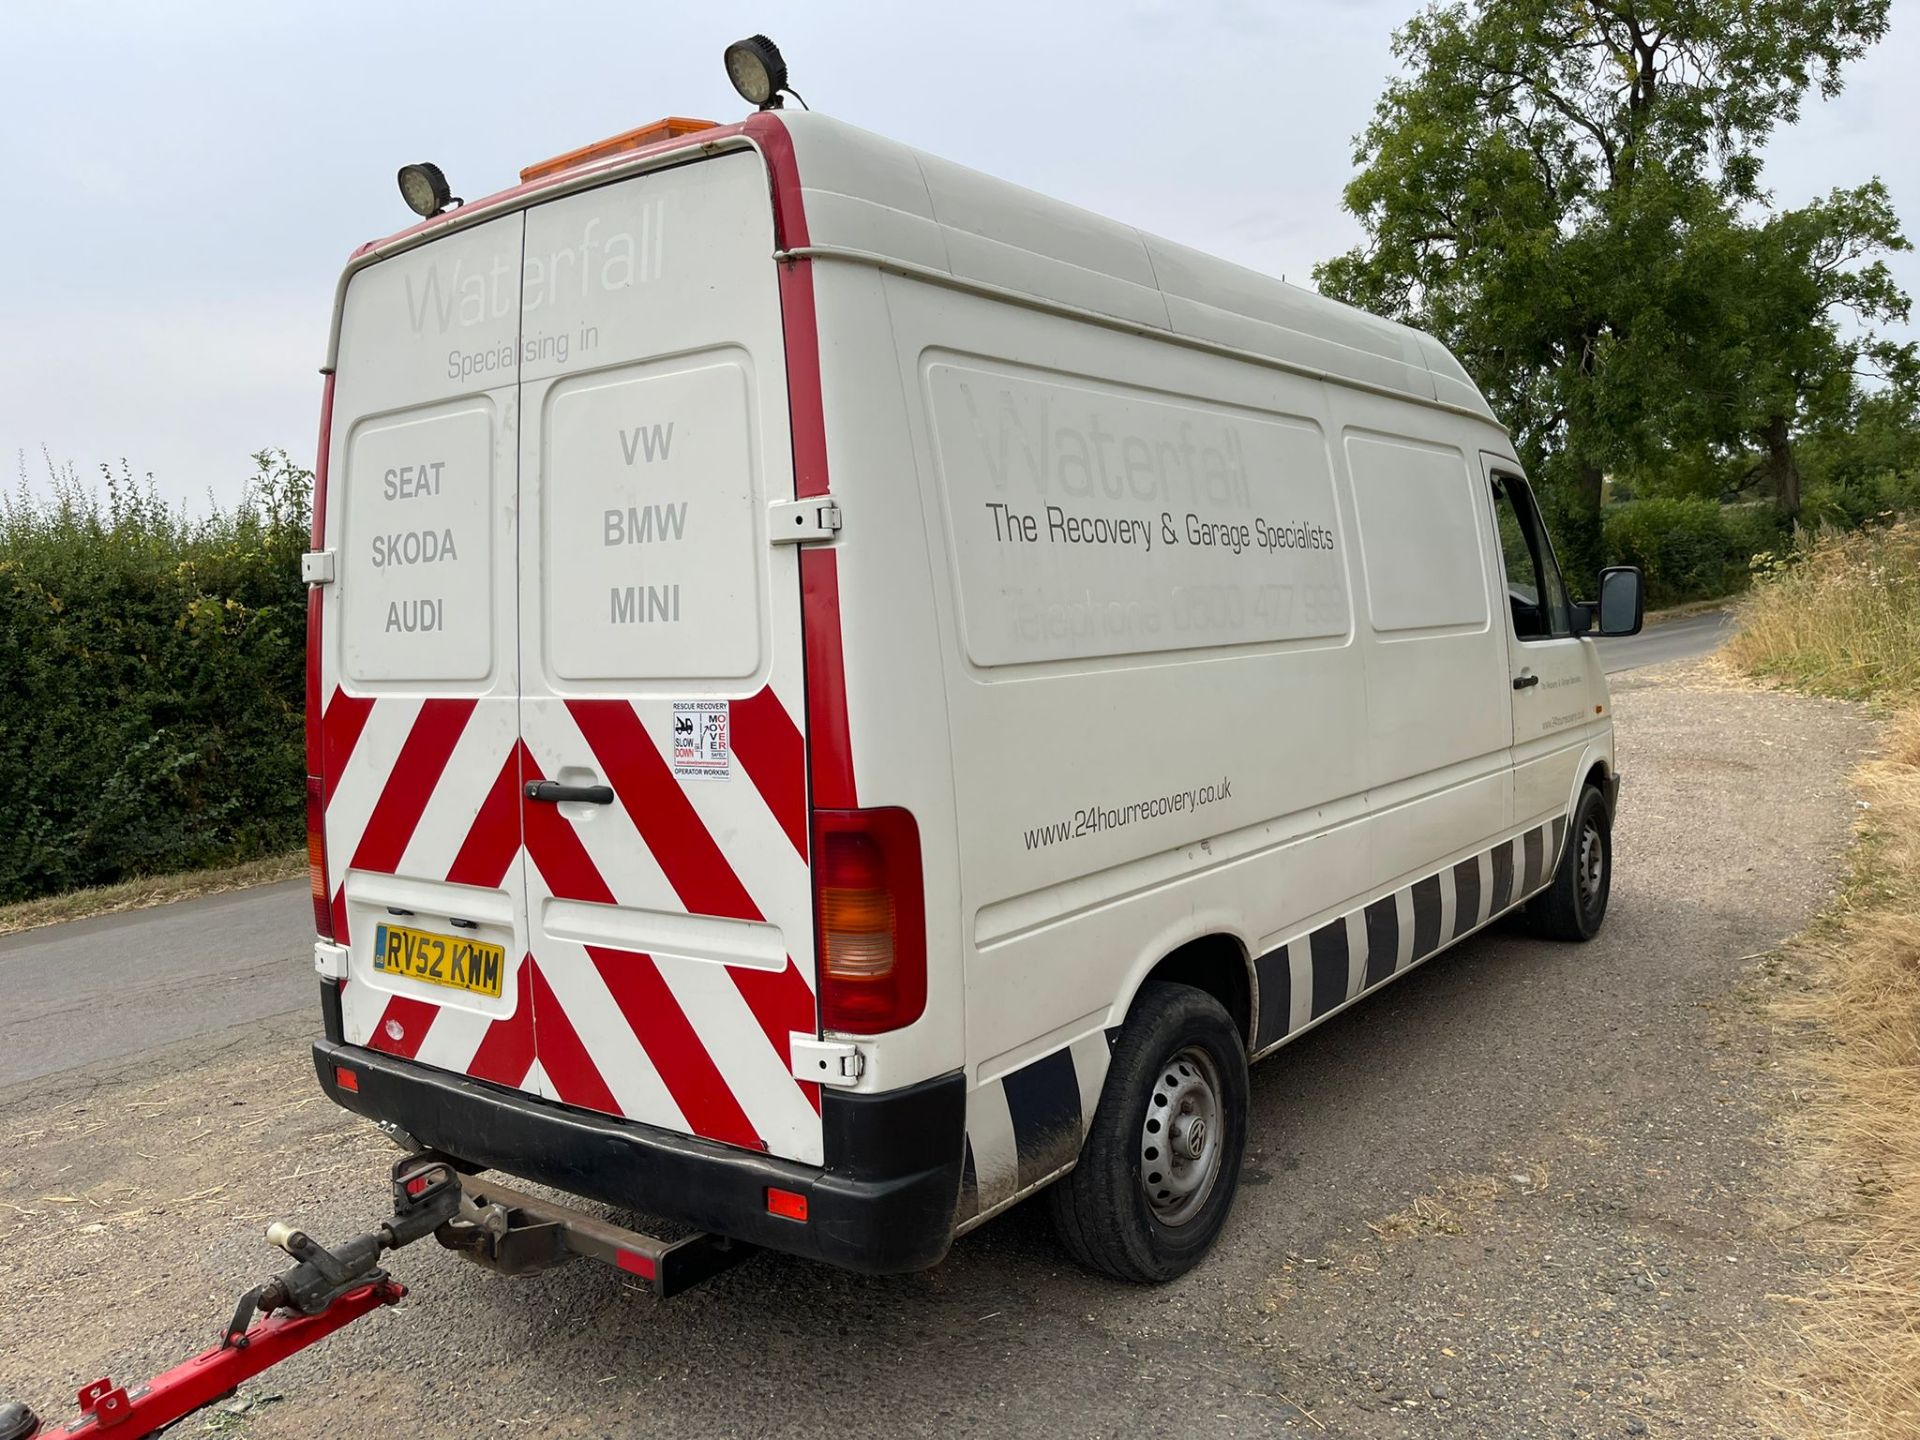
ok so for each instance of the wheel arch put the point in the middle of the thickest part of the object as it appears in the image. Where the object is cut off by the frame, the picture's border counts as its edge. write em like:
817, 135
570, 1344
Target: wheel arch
1217, 963
1597, 771
1596, 768
1598, 775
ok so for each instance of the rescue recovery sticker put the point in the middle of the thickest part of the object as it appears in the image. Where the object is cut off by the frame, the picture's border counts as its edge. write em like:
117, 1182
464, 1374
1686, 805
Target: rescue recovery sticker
703, 739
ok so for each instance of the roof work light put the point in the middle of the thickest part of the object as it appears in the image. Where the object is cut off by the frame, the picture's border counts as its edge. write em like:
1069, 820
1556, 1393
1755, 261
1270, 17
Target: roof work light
424, 189
757, 71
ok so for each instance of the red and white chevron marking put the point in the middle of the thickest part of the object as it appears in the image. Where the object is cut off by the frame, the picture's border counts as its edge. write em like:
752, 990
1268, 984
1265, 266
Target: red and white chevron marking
431, 789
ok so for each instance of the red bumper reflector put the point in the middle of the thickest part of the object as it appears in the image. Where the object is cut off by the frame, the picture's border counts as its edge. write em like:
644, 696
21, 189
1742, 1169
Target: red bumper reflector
787, 1204
417, 1185
634, 1263
346, 1079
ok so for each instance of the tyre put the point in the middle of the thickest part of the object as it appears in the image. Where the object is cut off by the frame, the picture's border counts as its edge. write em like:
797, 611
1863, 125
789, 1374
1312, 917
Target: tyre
1158, 1171
1574, 907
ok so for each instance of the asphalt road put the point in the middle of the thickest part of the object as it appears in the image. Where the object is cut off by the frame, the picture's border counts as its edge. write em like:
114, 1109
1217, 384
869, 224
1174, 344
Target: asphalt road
95, 992
1530, 1190
1686, 638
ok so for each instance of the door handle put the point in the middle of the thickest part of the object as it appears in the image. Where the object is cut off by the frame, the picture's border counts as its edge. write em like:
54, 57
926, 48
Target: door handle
1520, 682
554, 793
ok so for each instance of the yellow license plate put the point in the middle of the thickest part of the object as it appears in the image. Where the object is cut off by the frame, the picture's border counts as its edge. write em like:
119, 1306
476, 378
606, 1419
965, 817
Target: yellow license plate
448, 960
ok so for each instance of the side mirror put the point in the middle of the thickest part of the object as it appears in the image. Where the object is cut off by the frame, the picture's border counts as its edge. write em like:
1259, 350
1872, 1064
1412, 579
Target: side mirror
1622, 604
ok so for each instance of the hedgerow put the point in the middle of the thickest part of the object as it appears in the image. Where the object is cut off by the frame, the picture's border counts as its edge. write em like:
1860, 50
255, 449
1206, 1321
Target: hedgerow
151, 679
1689, 548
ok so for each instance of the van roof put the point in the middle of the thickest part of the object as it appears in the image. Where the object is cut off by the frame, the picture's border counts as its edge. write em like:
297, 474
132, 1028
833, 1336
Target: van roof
868, 198
874, 198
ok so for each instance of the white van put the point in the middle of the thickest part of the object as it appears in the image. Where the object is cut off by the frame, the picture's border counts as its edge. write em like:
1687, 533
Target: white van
843, 692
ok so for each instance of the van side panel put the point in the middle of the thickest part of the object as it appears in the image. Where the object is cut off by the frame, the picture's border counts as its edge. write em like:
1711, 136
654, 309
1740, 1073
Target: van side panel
1136, 758
1433, 633
1143, 592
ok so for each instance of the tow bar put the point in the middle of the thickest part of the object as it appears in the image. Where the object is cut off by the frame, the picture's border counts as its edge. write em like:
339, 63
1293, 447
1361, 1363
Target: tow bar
326, 1289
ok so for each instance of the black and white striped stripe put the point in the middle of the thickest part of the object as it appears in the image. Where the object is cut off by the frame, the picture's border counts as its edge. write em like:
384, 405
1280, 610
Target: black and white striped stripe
1025, 1127
1306, 980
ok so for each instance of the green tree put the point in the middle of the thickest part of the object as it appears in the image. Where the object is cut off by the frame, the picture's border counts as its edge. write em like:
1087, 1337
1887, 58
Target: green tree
1530, 186
1776, 327
1809, 272
1880, 438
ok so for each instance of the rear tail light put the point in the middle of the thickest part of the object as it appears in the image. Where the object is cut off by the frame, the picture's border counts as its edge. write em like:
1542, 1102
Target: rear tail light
317, 859
869, 910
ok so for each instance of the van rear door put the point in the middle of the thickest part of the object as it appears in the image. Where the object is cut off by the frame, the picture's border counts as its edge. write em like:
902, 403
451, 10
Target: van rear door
419, 731
663, 796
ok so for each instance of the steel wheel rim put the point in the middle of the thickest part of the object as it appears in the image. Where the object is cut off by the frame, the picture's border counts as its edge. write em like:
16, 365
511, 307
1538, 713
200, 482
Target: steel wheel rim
1593, 864
1181, 1140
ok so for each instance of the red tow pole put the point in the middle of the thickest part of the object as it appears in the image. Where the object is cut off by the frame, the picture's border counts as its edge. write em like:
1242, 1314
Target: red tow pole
502, 1229
106, 1408
326, 1290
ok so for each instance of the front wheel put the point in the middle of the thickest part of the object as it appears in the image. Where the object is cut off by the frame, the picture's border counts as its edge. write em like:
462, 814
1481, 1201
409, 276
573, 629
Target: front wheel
1574, 907
1159, 1168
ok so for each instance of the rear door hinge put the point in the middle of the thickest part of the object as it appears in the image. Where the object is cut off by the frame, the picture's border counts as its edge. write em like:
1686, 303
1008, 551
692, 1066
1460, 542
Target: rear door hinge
828, 1062
316, 567
802, 522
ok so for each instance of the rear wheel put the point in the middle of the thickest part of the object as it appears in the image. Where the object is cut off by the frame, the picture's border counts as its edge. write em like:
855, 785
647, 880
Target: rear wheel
1574, 907
1159, 1168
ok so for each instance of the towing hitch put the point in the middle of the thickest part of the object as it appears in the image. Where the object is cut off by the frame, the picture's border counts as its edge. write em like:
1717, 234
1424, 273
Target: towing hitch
326, 1289
426, 1195
517, 1234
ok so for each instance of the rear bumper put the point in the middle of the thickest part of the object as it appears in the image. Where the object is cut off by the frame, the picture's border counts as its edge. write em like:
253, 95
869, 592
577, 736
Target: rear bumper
884, 1201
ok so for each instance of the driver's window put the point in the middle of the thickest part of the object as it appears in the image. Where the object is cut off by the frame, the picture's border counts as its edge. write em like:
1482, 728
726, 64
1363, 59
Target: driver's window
1535, 595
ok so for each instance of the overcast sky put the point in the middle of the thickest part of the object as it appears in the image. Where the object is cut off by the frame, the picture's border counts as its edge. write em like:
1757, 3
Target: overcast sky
184, 181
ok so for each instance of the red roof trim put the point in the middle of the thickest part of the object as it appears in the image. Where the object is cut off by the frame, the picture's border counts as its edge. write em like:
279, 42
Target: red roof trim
829, 741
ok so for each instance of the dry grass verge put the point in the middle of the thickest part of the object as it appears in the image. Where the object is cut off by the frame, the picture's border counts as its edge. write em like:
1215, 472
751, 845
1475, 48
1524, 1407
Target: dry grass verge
1862, 1376
147, 891
1843, 618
